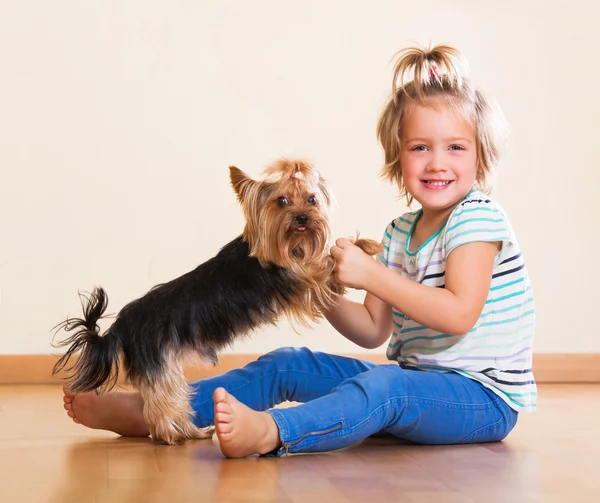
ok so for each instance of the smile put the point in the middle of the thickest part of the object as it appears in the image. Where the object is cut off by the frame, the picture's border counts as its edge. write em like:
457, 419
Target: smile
436, 184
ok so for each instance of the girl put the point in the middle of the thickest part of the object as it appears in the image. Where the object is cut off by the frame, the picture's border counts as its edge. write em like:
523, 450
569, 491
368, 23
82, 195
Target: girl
451, 288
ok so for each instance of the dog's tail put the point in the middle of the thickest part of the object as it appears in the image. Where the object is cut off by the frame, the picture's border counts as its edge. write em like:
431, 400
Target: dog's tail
97, 365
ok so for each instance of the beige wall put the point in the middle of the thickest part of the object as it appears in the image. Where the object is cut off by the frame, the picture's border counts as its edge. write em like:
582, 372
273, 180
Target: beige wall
118, 121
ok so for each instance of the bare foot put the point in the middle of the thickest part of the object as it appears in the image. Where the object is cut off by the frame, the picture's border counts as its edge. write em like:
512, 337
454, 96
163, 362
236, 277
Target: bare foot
241, 430
121, 412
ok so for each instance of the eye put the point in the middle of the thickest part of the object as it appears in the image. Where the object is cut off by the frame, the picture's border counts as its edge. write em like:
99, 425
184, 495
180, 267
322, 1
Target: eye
419, 148
311, 200
456, 147
282, 202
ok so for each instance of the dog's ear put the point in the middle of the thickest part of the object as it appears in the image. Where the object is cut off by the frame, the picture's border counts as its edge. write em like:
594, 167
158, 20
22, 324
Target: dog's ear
240, 182
249, 192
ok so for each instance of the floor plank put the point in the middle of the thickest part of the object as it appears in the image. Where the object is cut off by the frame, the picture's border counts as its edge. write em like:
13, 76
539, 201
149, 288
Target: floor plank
549, 457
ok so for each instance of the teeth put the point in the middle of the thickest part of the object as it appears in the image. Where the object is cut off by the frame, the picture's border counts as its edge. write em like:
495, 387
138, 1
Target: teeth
437, 183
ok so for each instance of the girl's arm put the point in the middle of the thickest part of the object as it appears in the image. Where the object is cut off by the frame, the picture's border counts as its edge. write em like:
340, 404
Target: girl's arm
453, 310
369, 325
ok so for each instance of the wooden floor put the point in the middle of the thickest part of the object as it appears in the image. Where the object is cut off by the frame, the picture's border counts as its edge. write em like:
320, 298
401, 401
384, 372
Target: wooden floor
551, 456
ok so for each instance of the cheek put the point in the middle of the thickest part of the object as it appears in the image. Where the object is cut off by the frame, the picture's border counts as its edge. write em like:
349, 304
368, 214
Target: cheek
473, 165
316, 212
466, 164
411, 166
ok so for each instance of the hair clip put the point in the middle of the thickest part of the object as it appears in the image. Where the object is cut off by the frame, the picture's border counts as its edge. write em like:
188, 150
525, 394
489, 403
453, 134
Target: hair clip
433, 72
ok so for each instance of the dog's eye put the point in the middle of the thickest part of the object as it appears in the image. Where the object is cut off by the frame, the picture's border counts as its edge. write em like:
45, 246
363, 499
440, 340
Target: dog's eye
312, 200
282, 202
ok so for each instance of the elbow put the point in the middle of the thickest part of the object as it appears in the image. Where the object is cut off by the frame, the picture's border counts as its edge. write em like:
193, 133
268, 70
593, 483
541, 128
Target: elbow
372, 344
458, 330
461, 325
381, 339
376, 341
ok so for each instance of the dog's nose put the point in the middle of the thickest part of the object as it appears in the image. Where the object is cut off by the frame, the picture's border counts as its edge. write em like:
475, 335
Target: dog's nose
302, 219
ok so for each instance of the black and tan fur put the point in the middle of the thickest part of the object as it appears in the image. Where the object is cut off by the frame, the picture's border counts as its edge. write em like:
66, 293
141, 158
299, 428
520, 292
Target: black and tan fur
279, 266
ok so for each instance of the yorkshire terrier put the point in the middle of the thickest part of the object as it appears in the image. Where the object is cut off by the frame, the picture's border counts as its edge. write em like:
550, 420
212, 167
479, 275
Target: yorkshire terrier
279, 266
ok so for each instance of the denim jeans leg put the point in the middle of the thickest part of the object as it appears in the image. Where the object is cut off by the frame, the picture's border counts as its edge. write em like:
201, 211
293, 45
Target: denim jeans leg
294, 374
423, 407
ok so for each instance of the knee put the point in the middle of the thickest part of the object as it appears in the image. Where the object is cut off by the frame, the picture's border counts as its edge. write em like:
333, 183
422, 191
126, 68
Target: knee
383, 381
281, 357
386, 373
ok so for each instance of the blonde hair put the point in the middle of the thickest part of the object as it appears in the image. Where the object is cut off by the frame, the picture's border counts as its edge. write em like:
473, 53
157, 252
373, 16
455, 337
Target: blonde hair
437, 73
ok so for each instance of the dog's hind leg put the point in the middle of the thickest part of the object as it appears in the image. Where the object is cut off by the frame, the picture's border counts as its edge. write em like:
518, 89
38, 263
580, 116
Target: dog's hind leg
167, 408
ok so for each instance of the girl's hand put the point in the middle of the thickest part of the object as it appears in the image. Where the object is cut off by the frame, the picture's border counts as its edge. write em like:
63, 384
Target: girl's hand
354, 267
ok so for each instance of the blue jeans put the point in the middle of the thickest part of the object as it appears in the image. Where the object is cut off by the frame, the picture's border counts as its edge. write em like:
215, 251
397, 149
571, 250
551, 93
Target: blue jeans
347, 400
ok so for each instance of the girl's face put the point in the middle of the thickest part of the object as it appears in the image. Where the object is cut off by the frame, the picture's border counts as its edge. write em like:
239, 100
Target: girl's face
438, 156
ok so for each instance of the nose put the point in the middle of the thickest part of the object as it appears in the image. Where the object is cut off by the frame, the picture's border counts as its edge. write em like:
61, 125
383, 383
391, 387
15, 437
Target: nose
436, 162
302, 219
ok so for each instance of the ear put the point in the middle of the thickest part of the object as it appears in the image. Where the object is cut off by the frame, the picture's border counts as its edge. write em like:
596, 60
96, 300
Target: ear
240, 182
250, 192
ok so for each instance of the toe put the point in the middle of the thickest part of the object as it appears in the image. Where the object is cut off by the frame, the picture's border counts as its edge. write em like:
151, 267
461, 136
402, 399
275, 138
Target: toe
219, 395
224, 429
223, 417
223, 407
230, 400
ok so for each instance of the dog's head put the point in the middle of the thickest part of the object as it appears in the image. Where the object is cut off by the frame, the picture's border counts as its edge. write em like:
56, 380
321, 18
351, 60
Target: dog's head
286, 213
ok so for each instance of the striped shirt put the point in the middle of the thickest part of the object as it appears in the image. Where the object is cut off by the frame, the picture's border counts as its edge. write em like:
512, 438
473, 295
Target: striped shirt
497, 351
